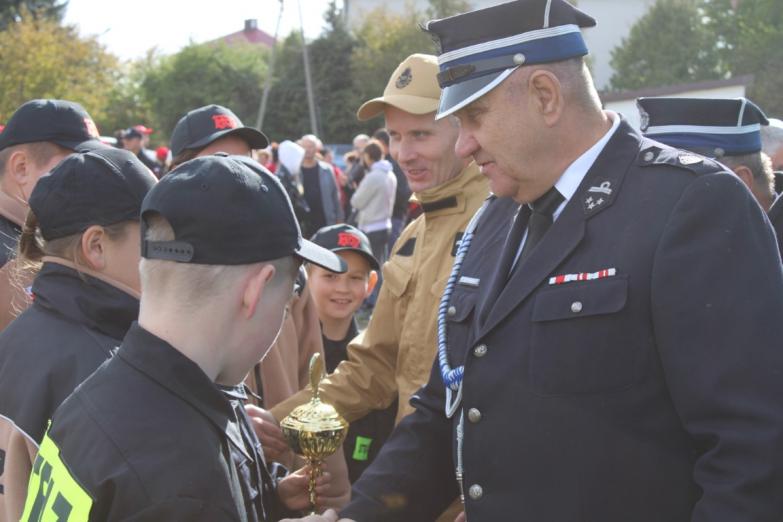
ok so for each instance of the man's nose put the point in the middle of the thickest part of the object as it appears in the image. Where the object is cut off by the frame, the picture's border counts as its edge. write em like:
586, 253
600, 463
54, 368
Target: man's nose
466, 144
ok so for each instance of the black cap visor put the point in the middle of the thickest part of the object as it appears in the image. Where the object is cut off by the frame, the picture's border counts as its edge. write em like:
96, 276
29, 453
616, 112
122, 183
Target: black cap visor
454, 97
320, 256
254, 138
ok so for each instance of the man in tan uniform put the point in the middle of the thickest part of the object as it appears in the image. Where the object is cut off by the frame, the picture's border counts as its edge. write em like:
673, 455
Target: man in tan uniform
394, 355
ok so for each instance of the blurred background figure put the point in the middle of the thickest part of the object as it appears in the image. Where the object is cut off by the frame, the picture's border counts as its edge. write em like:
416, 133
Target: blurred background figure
403, 192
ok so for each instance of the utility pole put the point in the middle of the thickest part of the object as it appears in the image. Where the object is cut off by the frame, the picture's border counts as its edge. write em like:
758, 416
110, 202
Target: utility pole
269, 74
308, 79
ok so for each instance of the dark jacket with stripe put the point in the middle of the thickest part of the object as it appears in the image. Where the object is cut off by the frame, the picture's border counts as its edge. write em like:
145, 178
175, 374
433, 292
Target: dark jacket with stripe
72, 327
656, 398
149, 437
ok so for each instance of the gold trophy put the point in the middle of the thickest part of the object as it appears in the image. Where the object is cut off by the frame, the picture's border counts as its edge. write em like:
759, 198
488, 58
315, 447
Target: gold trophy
314, 430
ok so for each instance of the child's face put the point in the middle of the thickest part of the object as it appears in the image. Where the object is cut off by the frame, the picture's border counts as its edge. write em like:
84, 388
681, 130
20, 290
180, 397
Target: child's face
338, 296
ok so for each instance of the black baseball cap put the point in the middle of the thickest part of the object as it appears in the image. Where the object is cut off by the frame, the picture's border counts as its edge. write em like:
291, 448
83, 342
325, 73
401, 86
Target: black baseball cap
132, 133
341, 237
99, 187
227, 210
63, 122
202, 126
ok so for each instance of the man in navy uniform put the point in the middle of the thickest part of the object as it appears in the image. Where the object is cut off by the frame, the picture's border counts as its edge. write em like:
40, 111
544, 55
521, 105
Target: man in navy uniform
620, 359
727, 129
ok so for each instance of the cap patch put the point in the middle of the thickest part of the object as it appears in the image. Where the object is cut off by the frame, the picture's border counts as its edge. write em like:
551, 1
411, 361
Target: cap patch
345, 239
90, 127
224, 121
405, 79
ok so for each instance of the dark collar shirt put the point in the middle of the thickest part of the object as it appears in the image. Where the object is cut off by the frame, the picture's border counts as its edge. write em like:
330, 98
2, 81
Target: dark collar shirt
149, 437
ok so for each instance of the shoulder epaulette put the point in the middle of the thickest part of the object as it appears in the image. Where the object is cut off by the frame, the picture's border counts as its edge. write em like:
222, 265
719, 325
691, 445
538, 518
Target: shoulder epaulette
662, 155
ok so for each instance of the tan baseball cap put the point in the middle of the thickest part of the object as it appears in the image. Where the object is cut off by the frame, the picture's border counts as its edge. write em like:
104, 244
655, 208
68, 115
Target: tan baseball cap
413, 87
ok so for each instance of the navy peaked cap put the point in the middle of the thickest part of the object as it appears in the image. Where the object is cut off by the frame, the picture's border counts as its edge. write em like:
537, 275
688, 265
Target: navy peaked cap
711, 126
481, 48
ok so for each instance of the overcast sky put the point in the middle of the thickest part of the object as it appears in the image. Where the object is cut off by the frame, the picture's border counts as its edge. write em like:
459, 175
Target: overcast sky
128, 29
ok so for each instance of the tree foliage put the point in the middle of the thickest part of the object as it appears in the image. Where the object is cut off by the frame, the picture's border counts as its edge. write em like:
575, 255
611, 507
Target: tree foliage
749, 39
12, 11
41, 59
204, 74
667, 46
680, 41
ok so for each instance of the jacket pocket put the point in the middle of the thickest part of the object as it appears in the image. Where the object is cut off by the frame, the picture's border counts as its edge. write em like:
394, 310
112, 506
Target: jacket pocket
396, 278
583, 340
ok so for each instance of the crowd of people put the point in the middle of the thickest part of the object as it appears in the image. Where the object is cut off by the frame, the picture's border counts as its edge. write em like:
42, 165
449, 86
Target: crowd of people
569, 319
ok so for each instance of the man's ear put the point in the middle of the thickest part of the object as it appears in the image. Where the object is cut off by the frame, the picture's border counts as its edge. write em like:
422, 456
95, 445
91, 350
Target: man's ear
372, 280
17, 172
254, 289
745, 174
546, 94
93, 247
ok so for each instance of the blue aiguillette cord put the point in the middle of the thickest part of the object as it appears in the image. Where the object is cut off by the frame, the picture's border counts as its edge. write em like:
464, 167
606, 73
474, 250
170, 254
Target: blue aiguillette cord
452, 377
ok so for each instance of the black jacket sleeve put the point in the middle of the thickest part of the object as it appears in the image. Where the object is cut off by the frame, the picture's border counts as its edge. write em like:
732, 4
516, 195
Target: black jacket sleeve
412, 479
717, 306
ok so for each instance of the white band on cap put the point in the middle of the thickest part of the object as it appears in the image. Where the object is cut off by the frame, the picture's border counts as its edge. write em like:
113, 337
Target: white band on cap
702, 129
538, 34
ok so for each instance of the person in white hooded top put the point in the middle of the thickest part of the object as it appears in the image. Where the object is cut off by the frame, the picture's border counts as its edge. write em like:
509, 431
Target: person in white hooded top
374, 199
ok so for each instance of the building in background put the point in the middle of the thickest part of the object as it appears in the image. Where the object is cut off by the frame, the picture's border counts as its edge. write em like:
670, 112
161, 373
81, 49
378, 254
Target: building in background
251, 34
625, 102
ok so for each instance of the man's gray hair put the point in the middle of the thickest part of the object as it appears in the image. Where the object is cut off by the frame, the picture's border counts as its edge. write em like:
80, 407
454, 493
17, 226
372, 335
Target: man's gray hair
759, 164
772, 137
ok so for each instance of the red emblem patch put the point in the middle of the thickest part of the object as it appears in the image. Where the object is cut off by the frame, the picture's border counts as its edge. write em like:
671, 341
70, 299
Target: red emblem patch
224, 122
345, 239
92, 130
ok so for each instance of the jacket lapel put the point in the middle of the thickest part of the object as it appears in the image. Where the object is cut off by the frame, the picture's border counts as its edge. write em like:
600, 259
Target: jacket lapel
597, 192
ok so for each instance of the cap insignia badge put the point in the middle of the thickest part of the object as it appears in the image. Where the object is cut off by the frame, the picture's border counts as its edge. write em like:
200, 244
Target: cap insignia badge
689, 159
348, 240
223, 121
405, 79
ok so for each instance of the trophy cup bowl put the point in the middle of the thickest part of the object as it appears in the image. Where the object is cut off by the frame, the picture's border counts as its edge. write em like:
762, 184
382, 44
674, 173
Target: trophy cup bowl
314, 430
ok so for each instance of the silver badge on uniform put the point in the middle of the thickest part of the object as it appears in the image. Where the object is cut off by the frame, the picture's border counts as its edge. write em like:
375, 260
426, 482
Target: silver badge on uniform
690, 159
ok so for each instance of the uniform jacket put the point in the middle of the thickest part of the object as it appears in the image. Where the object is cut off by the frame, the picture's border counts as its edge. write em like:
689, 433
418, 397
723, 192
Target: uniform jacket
650, 395
75, 323
393, 355
149, 437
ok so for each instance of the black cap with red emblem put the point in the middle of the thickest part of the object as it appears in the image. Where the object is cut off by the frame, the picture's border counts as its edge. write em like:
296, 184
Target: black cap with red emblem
345, 237
202, 126
63, 122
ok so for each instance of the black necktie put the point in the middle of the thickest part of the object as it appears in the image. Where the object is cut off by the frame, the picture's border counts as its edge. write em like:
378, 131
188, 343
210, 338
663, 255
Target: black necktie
541, 219
536, 218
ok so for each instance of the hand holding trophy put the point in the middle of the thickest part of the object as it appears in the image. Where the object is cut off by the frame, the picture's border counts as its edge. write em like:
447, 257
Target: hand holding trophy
314, 430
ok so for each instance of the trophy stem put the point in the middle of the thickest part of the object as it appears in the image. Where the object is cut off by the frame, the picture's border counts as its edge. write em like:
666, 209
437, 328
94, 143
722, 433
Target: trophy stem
315, 472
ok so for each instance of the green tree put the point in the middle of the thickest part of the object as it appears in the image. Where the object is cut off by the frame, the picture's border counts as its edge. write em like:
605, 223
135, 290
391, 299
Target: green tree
12, 11
385, 40
670, 44
748, 36
199, 75
127, 103
445, 8
41, 59
287, 114
333, 80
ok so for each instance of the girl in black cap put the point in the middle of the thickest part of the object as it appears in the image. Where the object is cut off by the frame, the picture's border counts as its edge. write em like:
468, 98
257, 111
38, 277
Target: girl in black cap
81, 237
